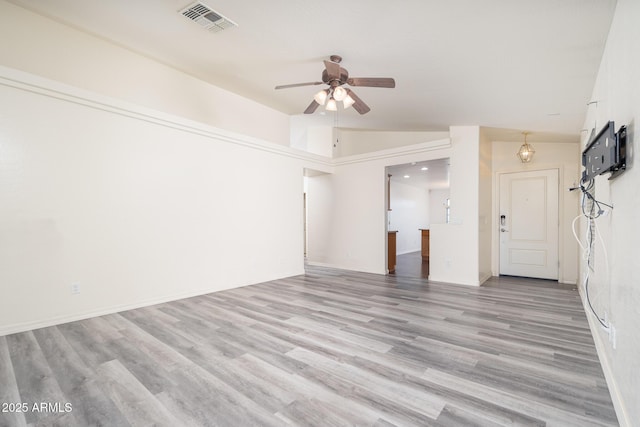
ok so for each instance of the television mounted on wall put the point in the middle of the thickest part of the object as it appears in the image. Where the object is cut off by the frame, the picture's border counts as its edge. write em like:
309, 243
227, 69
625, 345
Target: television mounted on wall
606, 152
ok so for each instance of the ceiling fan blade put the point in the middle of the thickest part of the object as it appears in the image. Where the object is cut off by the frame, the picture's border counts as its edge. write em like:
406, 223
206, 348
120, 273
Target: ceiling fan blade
298, 85
312, 107
372, 81
359, 104
333, 69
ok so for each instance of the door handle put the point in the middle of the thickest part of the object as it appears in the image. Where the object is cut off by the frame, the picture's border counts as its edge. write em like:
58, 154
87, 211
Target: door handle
504, 230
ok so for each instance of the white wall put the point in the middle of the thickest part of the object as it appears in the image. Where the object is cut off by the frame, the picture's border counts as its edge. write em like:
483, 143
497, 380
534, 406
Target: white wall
133, 205
353, 141
349, 207
349, 232
453, 255
410, 213
320, 231
485, 206
313, 133
318, 134
562, 156
357, 217
615, 289
438, 206
113, 176
38, 45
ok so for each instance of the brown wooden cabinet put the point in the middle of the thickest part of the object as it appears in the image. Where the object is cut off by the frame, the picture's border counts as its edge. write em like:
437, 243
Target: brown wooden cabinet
391, 250
425, 245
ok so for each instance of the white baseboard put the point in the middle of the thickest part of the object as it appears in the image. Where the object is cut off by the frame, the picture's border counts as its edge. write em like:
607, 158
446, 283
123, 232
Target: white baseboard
616, 398
485, 278
410, 251
448, 281
339, 267
58, 320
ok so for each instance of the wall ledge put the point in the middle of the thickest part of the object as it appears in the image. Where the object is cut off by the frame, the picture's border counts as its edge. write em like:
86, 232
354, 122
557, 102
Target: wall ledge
394, 152
42, 86
46, 87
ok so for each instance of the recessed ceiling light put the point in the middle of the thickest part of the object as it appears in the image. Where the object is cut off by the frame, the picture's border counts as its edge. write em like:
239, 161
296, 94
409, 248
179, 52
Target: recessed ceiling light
424, 168
407, 176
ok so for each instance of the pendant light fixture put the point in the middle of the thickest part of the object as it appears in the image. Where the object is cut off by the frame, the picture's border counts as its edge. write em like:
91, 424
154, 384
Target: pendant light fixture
526, 151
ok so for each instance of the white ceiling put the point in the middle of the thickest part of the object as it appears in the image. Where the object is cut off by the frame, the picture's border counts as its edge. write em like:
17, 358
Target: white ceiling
436, 177
506, 64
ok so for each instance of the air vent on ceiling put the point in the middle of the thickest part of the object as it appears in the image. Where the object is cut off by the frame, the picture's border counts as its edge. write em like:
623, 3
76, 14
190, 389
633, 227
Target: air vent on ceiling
207, 18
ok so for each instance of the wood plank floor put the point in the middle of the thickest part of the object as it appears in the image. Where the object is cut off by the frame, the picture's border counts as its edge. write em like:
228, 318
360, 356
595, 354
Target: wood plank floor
411, 265
327, 348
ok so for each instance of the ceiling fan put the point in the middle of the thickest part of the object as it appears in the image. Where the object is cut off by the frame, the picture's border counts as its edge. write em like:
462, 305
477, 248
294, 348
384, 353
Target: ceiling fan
335, 76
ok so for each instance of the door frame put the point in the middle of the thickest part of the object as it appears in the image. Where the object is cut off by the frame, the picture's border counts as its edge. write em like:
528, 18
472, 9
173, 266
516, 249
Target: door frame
562, 227
551, 215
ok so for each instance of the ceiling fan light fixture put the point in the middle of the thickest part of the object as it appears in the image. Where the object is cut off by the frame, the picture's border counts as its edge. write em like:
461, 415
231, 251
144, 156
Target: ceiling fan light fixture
339, 93
331, 105
321, 97
348, 101
334, 76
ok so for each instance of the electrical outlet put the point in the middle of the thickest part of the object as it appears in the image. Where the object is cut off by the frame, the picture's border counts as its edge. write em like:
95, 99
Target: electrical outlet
75, 288
447, 263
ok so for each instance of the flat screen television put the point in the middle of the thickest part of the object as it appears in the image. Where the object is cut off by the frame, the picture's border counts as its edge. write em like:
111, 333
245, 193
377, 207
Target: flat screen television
605, 153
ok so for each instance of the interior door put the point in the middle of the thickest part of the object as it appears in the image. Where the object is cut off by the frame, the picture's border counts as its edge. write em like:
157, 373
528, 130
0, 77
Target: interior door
528, 223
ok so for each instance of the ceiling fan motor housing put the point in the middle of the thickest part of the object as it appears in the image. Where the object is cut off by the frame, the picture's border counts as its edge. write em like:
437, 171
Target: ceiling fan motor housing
339, 80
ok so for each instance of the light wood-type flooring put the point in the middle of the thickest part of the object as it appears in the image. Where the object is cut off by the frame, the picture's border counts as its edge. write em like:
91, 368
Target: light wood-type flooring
329, 348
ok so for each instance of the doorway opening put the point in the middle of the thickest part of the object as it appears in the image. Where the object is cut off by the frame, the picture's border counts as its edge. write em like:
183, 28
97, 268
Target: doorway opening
316, 196
417, 196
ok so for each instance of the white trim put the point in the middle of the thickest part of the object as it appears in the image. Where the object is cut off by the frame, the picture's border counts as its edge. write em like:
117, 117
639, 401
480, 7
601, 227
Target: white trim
335, 266
39, 85
52, 89
394, 152
485, 278
410, 251
58, 320
461, 283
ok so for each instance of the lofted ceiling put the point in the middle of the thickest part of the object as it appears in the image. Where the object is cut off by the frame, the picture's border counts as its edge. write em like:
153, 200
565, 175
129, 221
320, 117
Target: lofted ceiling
503, 64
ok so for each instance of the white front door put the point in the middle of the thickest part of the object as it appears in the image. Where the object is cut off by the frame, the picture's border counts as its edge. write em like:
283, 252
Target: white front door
528, 223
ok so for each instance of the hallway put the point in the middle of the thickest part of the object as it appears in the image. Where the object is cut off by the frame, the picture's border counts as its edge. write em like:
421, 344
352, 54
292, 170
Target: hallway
411, 265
